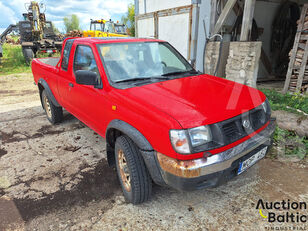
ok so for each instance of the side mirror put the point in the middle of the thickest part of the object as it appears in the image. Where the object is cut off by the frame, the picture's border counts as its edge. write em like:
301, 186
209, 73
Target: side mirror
87, 78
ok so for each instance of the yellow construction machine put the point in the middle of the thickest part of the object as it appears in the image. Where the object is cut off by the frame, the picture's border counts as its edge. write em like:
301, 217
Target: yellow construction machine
105, 28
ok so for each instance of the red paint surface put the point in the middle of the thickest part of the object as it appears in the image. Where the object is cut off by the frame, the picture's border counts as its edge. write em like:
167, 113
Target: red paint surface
152, 109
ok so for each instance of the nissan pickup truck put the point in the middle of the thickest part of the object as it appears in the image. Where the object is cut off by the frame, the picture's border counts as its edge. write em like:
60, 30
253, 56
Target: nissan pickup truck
163, 121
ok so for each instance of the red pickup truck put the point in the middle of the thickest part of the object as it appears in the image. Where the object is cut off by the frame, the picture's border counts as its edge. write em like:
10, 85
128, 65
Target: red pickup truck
163, 121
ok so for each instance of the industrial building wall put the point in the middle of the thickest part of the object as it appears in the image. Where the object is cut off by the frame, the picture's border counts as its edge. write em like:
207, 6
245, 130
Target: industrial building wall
148, 6
145, 28
175, 30
173, 26
204, 19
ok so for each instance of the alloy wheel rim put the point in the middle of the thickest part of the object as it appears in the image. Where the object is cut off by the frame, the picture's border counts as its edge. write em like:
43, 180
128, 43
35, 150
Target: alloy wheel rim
47, 106
124, 172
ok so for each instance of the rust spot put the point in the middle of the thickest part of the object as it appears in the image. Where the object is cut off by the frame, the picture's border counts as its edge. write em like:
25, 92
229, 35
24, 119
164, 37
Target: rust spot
182, 168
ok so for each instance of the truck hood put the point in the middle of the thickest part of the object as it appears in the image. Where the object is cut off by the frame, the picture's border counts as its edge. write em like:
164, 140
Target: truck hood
198, 100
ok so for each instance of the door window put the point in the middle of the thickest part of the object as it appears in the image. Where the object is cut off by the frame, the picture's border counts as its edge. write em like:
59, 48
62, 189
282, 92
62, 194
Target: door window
84, 59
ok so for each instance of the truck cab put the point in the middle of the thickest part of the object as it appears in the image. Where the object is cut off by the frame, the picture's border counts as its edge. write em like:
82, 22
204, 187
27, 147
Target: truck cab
163, 121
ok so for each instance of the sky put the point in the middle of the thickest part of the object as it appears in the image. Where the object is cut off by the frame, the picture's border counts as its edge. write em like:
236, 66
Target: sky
12, 10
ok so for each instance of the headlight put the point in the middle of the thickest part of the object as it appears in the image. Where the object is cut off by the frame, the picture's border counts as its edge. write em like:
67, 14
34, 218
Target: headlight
266, 107
179, 141
200, 135
197, 136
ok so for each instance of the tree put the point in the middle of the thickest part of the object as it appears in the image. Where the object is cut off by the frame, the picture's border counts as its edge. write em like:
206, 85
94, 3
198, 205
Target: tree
129, 19
71, 23
55, 29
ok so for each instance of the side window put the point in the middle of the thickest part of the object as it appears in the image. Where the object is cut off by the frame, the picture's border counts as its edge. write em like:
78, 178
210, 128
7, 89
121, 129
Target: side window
84, 59
66, 54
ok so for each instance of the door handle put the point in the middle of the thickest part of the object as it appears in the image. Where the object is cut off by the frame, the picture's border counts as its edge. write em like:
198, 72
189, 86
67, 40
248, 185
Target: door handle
71, 84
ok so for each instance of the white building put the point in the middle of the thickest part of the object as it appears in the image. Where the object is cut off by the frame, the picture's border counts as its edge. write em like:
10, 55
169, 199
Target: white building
186, 24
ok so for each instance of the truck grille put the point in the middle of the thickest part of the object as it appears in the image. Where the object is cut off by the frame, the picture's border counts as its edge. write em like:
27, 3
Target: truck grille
235, 129
257, 119
231, 130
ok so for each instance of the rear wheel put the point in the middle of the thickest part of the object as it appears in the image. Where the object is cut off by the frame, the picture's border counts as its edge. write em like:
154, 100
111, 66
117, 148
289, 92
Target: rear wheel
134, 177
28, 54
54, 114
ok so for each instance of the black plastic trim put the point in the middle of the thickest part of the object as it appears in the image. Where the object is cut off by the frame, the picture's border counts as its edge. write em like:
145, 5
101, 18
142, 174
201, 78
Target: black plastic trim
48, 92
146, 149
152, 164
131, 132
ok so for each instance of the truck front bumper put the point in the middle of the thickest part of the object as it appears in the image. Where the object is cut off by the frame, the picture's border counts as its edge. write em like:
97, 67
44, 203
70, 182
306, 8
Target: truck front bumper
214, 170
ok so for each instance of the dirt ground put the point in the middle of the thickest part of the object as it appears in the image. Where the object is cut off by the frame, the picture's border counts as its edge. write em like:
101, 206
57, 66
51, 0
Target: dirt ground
57, 178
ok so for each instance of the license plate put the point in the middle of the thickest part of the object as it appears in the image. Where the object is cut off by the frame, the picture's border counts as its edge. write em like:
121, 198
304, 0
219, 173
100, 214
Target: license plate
251, 160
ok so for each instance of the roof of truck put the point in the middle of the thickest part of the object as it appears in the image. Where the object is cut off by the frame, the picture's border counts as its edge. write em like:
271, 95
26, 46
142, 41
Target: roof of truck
116, 39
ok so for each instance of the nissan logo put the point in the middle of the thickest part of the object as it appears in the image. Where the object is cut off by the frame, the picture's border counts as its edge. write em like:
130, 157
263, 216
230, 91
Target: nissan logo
246, 123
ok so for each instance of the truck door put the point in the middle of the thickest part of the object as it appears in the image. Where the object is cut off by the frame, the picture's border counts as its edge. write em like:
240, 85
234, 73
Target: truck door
65, 75
88, 102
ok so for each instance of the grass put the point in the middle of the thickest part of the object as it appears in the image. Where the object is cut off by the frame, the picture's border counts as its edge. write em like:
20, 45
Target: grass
288, 102
293, 144
13, 60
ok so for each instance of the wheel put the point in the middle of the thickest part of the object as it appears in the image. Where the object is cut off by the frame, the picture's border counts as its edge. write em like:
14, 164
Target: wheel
54, 114
134, 177
28, 54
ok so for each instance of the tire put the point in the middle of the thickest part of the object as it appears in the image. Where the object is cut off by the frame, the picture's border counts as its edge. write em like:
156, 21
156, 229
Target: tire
28, 54
140, 183
54, 114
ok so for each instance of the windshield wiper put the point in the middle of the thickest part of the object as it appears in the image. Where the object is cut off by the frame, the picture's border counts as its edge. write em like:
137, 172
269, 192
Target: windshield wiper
181, 72
139, 78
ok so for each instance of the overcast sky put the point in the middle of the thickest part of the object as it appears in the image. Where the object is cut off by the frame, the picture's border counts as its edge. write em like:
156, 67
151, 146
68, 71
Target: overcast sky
11, 11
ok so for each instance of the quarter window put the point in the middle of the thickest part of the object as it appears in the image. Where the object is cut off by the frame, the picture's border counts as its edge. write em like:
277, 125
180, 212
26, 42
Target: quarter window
66, 54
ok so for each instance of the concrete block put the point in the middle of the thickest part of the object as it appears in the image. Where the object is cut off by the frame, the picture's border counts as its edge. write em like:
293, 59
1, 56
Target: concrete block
243, 62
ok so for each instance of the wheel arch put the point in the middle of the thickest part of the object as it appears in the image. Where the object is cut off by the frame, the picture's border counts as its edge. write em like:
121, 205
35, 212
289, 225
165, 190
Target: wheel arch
117, 128
43, 85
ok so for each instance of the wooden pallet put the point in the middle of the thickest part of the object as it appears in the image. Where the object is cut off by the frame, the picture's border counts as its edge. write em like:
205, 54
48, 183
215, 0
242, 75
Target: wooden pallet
297, 75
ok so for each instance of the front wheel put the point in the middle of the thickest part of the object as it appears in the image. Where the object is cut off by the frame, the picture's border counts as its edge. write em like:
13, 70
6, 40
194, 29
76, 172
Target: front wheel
54, 114
134, 177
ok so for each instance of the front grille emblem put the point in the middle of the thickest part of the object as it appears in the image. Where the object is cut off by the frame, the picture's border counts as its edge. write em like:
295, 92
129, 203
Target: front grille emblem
246, 123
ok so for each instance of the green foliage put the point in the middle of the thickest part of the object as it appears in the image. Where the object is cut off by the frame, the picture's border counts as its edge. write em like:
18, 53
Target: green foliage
287, 102
71, 23
129, 19
55, 29
293, 144
14, 37
13, 60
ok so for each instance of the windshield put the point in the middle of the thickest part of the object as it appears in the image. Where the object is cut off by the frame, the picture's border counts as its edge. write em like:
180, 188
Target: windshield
109, 27
96, 26
119, 28
138, 60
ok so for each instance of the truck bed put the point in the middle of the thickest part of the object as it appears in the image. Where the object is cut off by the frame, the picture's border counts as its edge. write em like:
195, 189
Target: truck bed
52, 61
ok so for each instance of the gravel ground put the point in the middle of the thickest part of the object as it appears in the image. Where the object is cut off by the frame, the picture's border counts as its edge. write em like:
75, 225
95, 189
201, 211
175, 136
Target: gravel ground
57, 178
